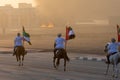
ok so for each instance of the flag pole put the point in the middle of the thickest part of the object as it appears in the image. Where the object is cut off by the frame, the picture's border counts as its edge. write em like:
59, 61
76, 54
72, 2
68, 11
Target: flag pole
118, 36
118, 32
66, 37
23, 35
65, 44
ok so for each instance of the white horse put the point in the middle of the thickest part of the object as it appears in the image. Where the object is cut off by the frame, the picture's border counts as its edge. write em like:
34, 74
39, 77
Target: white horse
114, 60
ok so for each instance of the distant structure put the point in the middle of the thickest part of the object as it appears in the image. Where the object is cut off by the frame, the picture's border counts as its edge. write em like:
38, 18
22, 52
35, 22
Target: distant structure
25, 15
25, 5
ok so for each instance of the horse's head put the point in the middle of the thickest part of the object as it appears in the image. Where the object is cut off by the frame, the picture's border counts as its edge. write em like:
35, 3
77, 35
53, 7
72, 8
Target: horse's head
106, 49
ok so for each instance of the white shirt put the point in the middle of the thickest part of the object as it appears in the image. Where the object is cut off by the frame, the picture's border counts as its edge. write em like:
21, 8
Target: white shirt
113, 47
18, 41
59, 42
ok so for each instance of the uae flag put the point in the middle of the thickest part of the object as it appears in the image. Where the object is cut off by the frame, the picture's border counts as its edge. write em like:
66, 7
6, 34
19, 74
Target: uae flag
69, 33
26, 36
118, 33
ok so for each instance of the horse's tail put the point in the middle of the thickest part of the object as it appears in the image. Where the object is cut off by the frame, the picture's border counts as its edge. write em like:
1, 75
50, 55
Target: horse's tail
67, 58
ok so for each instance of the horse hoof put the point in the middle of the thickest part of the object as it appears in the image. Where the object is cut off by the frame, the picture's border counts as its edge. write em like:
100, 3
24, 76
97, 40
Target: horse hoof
105, 73
115, 76
54, 66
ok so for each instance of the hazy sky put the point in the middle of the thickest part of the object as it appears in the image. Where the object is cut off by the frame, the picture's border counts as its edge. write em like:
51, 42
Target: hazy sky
72, 10
80, 8
14, 3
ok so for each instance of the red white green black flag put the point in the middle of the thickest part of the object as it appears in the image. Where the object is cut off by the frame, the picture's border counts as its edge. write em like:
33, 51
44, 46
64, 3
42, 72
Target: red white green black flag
69, 33
26, 36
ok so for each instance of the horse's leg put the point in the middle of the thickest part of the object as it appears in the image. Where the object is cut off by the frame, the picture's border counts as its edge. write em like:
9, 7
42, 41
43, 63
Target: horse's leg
58, 62
115, 70
54, 62
64, 64
22, 59
107, 69
17, 58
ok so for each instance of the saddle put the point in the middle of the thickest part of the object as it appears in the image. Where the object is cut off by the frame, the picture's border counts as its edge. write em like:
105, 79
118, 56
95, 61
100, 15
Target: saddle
113, 53
108, 56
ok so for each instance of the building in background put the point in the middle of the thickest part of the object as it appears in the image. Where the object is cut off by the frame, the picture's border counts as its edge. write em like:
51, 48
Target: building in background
25, 15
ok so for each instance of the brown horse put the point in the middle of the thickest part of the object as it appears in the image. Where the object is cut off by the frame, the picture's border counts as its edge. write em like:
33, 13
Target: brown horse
60, 54
20, 53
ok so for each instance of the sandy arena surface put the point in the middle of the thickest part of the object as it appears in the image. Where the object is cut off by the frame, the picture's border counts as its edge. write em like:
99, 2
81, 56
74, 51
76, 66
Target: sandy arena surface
39, 66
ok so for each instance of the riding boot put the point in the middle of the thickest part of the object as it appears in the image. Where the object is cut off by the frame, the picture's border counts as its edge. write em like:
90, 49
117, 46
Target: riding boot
14, 50
55, 52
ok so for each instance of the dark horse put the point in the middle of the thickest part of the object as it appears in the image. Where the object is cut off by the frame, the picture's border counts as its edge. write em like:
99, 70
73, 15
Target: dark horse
20, 53
60, 54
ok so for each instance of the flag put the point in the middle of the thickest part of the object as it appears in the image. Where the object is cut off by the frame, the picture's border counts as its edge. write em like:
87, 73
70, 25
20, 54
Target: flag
26, 36
69, 33
118, 33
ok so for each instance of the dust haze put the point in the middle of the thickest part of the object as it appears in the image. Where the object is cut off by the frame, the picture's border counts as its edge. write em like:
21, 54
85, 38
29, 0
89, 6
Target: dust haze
90, 37
93, 21
77, 9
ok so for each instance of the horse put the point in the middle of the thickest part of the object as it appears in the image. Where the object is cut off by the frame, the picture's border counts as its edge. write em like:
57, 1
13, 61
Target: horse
114, 60
20, 53
60, 54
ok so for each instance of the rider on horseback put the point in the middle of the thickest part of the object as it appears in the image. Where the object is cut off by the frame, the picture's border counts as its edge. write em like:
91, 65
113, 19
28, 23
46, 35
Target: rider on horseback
112, 48
18, 42
59, 44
